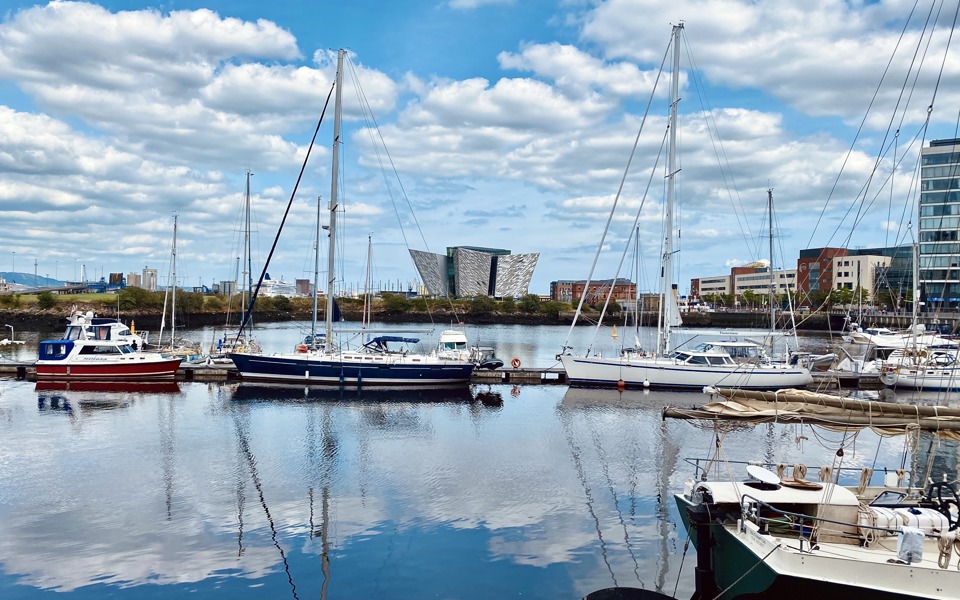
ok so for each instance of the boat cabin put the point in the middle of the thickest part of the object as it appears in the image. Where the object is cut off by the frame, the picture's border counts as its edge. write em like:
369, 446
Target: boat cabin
88, 332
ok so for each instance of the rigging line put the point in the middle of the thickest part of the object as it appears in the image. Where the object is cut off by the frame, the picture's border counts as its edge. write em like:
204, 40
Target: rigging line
626, 247
254, 293
863, 121
393, 166
368, 114
255, 477
722, 153
913, 87
616, 198
863, 210
575, 453
601, 454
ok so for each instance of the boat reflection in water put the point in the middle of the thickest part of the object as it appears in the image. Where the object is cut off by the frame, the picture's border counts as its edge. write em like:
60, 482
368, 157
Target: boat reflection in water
278, 392
68, 396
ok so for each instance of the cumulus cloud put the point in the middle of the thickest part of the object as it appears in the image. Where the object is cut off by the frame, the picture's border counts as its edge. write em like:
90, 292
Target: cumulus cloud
136, 114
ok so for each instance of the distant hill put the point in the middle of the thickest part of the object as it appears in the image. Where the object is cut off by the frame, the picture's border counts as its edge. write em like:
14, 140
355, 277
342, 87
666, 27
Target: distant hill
29, 279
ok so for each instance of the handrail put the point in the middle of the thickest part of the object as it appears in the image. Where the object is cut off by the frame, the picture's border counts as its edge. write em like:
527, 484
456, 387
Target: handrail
701, 472
804, 517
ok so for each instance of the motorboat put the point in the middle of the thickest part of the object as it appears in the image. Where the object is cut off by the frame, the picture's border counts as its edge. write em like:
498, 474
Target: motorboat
90, 351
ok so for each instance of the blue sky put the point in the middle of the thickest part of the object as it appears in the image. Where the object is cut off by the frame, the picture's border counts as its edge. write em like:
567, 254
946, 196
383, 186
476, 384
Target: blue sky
509, 123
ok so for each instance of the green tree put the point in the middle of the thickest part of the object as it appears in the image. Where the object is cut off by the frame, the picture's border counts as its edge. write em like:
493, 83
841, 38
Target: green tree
749, 298
190, 302
136, 297
508, 306
553, 308
46, 300
215, 303
395, 303
11, 300
482, 305
281, 304
530, 303
817, 298
840, 297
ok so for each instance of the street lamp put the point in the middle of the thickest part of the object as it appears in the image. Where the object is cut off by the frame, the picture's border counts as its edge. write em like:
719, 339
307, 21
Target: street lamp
14, 268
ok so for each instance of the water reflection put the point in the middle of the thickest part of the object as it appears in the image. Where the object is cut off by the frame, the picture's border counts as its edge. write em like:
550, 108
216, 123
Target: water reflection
278, 392
266, 490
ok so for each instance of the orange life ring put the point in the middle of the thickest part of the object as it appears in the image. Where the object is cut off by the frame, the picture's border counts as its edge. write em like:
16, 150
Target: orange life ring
302, 348
515, 363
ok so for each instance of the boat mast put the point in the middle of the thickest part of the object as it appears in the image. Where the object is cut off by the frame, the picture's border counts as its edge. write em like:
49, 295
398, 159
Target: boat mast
316, 277
773, 281
367, 303
667, 300
247, 285
334, 174
173, 289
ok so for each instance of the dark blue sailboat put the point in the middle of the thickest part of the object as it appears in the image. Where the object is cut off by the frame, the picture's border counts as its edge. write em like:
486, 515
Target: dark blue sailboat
324, 358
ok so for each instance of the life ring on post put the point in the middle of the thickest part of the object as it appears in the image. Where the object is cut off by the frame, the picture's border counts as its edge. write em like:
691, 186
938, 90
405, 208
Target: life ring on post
515, 363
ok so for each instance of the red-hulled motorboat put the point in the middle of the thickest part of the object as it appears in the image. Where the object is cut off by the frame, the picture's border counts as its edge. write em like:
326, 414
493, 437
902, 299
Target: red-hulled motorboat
91, 352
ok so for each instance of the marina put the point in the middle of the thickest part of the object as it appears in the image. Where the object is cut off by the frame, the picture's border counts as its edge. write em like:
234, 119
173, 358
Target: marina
212, 485
263, 490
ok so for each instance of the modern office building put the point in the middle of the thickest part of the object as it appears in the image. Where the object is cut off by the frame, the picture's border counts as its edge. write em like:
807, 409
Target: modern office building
875, 270
755, 278
467, 271
939, 231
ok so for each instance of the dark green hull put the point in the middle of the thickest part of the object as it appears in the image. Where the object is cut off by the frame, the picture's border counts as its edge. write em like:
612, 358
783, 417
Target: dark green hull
736, 572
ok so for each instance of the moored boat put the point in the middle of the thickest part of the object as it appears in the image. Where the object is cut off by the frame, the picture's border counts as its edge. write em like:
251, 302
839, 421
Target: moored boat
778, 534
91, 352
327, 358
664, 366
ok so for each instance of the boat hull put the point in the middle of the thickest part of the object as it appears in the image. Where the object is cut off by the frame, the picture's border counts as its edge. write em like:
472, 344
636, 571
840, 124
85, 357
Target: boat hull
667, 373
920, 378
746, 564
130, 370
328, 370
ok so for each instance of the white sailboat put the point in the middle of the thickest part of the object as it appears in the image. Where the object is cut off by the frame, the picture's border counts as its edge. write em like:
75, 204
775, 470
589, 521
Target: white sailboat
708, 364
185, 350
780, 535
326, 358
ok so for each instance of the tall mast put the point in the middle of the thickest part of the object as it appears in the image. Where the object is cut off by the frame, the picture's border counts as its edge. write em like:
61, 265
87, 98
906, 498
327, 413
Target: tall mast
667, 301
367, 303
247, 285
316, 277
173, 290
773, 281
334, 174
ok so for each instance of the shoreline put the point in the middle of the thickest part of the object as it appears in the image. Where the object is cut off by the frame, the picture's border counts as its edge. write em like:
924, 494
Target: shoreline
34, 318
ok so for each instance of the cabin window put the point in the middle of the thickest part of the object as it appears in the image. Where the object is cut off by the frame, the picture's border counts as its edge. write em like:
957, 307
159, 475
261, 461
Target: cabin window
698, 360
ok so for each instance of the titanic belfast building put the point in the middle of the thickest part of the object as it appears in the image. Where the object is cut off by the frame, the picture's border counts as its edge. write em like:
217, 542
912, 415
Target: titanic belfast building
466, 271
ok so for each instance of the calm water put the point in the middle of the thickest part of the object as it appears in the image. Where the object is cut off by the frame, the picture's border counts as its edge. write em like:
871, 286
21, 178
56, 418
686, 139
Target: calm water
243, 491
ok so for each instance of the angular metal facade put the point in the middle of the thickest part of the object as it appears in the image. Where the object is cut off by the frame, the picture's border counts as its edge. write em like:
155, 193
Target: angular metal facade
471, 273
468, 272
514, 273
433, 271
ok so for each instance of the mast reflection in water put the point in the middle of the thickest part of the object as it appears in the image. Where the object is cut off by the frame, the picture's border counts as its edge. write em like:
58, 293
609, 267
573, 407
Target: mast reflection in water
264, 491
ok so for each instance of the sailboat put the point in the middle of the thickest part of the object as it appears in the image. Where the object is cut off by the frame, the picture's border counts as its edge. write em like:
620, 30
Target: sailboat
710, 363
224, 346
780, 535
177, 348
327, 361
